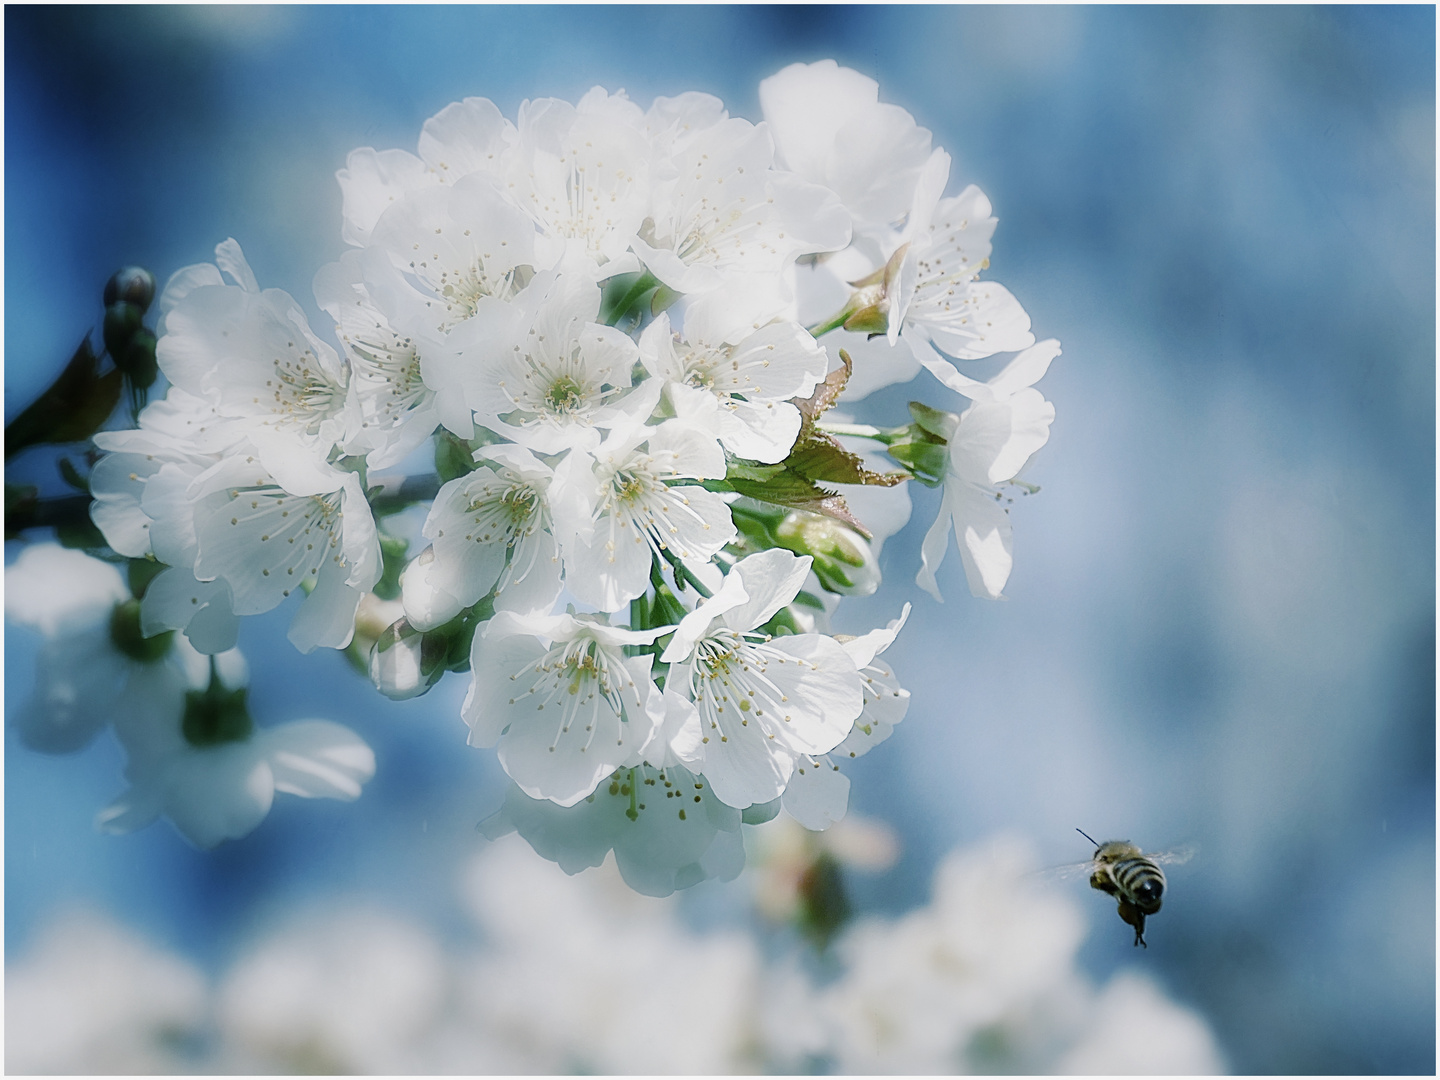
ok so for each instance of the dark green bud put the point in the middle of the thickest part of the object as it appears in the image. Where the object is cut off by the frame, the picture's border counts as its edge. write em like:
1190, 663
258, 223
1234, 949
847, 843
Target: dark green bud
122, 320
216, 716
138, 361
133, 285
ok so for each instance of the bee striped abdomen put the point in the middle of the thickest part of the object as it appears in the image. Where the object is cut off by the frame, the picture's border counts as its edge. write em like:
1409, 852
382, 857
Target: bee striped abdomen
1141, 882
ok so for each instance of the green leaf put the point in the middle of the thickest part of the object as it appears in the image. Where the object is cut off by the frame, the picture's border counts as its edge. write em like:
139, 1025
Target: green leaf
71, 476
743, 469
72, 408
824, 459
799, 493
453, 456
79, 534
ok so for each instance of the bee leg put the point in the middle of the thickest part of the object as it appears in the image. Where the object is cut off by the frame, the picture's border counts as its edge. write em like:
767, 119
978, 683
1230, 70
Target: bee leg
1136, 918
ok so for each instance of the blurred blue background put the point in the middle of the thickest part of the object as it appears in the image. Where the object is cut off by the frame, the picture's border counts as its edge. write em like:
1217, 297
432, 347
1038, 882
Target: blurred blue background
1220, 628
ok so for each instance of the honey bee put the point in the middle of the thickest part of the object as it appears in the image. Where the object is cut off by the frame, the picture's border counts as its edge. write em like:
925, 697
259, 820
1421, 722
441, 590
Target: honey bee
1134, 878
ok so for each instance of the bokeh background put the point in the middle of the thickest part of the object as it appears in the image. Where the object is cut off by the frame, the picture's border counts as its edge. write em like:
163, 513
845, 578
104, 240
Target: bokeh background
1221, 625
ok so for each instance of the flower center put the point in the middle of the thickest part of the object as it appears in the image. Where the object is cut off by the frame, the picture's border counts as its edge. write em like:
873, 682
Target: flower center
564, 395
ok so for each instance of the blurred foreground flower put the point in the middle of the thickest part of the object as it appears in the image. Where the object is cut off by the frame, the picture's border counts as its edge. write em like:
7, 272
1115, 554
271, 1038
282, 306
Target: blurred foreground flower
91, 997
582, 975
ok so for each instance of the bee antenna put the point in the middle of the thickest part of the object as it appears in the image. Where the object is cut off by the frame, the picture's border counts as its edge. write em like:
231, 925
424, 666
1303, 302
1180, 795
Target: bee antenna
1087, 836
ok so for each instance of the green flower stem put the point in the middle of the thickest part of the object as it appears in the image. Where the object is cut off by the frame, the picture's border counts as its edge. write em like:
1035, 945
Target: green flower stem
682, 572
391, 494
833, 323
863, 431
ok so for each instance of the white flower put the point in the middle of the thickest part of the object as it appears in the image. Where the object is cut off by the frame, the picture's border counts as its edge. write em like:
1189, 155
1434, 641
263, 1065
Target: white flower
541, 371
98, 664
818, 793
462, 244
81, 676
830, 128
253, 356
637, 509
264, 542
371, 303
936, 297
666, 827
143, 507
561, 701
582, 174
197, 759
463, 138
491, 529
741, 391
178, 430
1132, 1030
1008, 421
672, 124
761, 702
726, 211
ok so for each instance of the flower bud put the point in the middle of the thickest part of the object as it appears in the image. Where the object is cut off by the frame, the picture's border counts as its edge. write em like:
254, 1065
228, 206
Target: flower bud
122, 320
843, 560
138, 361
880, 297
396, 663
426, 605
133, 285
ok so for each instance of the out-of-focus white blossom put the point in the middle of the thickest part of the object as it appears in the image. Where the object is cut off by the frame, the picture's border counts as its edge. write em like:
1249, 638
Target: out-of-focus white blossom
84, 675
196, 758
586, 976
983, 980
340, 991
91, 997
579, 974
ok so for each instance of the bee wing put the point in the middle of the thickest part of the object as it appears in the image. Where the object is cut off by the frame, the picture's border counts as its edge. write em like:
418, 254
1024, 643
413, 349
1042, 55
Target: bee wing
1175, 856
1067, 872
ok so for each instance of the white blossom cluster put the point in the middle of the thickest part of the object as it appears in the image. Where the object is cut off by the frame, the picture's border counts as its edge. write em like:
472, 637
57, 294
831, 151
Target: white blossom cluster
601, 310
581, 975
